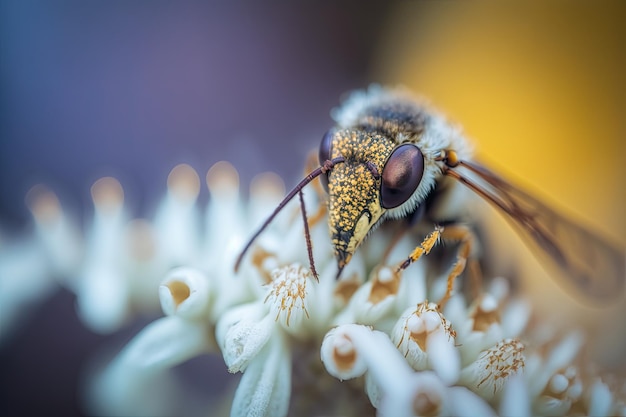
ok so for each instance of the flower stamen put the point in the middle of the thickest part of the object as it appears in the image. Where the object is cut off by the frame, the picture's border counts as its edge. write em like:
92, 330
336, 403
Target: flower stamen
500, 362
287, 294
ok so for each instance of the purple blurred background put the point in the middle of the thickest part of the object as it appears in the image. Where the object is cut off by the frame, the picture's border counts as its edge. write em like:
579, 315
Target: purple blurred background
131, 89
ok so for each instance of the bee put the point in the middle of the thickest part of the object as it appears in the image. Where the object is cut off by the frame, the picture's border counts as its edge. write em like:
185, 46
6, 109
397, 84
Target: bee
391, 157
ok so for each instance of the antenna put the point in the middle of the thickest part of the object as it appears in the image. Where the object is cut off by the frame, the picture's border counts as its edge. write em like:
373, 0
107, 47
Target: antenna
324, 168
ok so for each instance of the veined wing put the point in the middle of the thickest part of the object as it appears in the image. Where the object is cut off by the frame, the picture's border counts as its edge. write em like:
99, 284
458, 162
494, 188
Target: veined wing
586, 262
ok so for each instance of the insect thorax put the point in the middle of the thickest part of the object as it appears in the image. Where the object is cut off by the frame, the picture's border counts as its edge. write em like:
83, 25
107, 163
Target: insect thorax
398, 121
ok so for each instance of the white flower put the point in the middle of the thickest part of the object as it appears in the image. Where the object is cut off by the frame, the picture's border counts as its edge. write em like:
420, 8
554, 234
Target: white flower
24, 280
491, 317
265, 387
241, 334
177, 220
29, 264
426, 340
350, 351
494, 367
56, 232
186, 292
367, 343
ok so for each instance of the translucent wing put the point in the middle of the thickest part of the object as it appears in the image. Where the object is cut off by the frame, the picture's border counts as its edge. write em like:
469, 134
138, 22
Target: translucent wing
594, 267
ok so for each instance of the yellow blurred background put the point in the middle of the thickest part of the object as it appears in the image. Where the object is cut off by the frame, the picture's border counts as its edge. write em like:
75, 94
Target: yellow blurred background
540, 89
132, 89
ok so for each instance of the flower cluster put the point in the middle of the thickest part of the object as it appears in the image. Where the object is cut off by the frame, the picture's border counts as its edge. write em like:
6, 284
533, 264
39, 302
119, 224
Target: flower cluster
372, 342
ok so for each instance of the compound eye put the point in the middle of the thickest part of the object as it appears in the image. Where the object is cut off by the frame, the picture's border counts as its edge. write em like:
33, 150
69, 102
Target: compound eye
324, 155
402, 174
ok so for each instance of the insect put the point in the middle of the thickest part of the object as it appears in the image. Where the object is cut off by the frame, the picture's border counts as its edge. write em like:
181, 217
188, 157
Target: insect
390, 157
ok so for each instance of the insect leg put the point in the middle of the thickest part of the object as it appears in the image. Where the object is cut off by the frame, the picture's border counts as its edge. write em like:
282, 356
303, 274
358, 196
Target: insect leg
466, 237
475, 274
423, 248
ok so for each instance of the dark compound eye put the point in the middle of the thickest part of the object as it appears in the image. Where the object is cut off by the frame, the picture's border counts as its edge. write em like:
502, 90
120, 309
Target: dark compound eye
324, 155
401, 175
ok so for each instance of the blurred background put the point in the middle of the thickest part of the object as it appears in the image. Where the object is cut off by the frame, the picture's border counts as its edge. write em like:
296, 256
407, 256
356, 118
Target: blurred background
132, 89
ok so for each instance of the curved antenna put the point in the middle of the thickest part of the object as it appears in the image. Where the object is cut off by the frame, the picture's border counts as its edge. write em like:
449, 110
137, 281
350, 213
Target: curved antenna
327, 166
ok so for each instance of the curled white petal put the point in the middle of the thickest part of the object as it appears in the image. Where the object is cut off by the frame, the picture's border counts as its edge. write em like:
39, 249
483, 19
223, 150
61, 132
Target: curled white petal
372, 390
515, 401
241, 334
144, 268
328, 296
104, 290
551, 406
56, 231
385, 285
413, 287
481, 327
563, 389
558, 384
541, 371
499, 288
463, 402
266, 191
455, 310
350, 350
119, 390
340, 355
515, 318
484, 312
443, 357
224, 213
425, 338
373, 301
231, 289
103, 299
164, 343
186, 292
107, 230
265, 388
423, 394
600, 399
409, 335
24, 280
177, 219
564, 352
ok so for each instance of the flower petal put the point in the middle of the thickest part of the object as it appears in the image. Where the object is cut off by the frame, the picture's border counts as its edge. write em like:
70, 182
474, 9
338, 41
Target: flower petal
515, 401
600, 399
515, 318
165, 343
103, 299
425, 338
265, 388
177, 219
443, 357
186, 292
463, 402
57, 233
340, 356
241, 334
